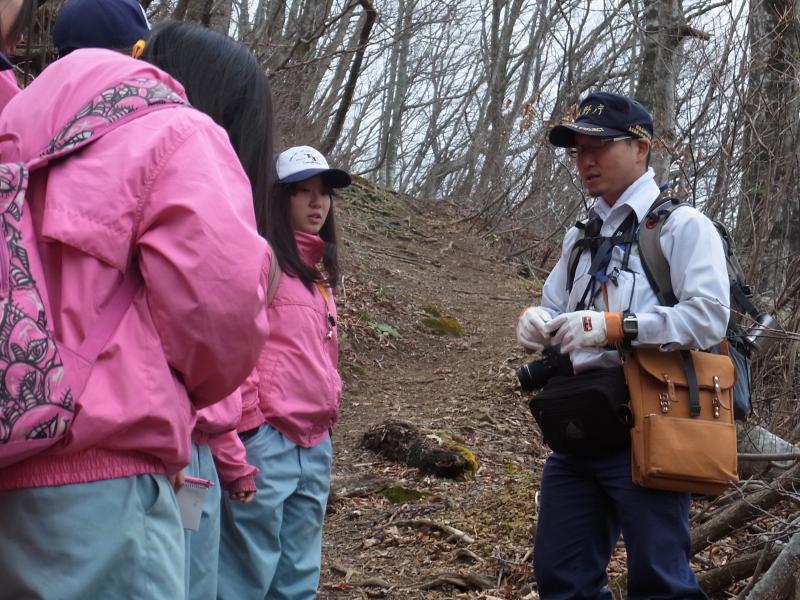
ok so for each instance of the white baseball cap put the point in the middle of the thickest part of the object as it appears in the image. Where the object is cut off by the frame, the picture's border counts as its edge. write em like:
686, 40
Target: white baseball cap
303, 162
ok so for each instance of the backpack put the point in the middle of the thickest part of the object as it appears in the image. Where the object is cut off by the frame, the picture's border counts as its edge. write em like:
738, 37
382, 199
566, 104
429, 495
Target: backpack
40, 378
657, 270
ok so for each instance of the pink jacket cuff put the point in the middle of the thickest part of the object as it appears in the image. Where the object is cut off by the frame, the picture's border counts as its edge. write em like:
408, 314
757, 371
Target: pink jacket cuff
243, 484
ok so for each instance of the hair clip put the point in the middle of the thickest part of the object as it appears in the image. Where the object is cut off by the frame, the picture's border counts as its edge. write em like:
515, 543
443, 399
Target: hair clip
138, 49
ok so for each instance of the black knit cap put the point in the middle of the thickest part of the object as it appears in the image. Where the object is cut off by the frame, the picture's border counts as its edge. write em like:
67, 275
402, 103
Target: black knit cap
603, 114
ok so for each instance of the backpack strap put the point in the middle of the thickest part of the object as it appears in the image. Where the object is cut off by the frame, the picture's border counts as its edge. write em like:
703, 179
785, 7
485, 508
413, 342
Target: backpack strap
740, 291
112, 108
584, 232
654, 263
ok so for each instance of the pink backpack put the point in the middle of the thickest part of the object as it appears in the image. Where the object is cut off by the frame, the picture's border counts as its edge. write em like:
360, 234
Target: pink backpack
40, 378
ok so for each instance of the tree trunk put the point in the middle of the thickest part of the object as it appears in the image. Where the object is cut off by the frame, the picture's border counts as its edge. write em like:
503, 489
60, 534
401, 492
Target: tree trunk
220, 14
337, 125
768, 214
665, 27
778, 581
397, 92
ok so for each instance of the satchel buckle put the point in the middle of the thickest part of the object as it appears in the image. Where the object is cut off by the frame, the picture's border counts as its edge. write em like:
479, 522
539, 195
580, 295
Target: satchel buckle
665, 398
715, 401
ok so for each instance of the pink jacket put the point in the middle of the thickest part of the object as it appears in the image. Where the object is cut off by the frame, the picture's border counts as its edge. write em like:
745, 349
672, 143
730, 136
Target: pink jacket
8, 87
296, 387
167, 191
216, 426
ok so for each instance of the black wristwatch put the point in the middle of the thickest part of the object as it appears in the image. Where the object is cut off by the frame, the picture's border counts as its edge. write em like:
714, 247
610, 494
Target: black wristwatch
630, 327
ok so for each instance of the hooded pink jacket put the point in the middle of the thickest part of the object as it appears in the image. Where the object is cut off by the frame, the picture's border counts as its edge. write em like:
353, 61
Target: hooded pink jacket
166, 190
296, 387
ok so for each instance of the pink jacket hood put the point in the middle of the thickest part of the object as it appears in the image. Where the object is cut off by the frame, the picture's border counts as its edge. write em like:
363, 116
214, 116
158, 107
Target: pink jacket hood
166, 191
68, 85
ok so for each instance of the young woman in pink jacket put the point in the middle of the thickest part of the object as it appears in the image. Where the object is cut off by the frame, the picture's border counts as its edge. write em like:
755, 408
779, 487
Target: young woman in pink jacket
223, 79
95, 515
271, 547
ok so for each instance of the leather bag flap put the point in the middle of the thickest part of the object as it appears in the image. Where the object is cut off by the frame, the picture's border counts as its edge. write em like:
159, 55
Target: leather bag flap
707, 365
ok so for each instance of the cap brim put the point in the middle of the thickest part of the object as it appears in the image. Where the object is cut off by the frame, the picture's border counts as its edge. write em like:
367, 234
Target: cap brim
563, 135
335, 178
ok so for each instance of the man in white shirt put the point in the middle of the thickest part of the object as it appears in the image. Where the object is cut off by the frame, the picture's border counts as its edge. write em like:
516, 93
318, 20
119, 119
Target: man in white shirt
592, 301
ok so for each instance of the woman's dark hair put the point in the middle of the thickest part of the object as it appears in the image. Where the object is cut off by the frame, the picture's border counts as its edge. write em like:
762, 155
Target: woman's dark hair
280, 235
223, 79
22, 23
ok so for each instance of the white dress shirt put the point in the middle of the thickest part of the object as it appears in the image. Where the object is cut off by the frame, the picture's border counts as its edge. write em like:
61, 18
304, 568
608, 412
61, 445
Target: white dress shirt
699, 275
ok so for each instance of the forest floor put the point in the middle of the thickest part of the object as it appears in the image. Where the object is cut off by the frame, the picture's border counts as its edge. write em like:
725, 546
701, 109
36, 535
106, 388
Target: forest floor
427, 316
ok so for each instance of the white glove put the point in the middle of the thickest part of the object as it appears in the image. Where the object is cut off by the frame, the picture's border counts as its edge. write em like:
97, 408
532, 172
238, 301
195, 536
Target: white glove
580, 329
531, 328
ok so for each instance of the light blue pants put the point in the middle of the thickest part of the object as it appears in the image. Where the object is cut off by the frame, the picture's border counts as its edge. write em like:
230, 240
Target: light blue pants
202, 546
115, 539
271, 548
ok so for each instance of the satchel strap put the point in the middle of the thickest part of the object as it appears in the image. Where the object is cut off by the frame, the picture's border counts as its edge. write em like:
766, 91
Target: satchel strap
691, 379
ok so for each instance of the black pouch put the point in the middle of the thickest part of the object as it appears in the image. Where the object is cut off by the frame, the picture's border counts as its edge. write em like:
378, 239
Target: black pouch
584, 413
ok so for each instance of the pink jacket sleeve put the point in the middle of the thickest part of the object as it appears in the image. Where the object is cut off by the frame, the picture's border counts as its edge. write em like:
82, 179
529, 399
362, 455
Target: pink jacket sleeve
218, 418
204, 265
230, 458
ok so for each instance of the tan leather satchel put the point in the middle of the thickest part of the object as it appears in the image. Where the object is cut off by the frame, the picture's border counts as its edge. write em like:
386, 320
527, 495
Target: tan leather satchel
683, 438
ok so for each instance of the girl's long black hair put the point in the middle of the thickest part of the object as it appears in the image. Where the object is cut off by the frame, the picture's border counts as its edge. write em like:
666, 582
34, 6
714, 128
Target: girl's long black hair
223, 79
280, 235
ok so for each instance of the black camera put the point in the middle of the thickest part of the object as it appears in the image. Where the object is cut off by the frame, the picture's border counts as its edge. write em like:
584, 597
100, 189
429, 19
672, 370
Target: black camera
535, 374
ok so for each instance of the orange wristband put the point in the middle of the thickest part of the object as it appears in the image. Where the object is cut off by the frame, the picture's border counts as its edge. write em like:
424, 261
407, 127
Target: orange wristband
614, 327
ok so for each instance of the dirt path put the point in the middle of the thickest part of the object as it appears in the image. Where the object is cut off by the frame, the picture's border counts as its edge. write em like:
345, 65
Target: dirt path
403, 265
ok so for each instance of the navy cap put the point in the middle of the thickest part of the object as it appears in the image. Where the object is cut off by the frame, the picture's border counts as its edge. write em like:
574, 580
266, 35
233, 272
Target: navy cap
603, 114
112, 24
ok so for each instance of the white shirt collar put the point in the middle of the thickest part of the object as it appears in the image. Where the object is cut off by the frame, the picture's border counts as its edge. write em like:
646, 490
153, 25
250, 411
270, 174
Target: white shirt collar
640, 195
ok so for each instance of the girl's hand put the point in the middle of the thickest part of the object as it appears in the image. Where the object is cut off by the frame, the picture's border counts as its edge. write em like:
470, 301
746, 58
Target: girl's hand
243, 497
176, 480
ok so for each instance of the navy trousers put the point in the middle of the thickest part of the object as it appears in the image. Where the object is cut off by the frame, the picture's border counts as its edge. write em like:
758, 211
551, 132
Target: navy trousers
584, 504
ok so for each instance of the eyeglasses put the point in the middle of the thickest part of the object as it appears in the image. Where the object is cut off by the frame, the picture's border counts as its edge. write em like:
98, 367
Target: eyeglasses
597, 145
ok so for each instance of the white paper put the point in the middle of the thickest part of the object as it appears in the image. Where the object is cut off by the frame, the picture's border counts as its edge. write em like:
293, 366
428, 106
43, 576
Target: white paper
190, 502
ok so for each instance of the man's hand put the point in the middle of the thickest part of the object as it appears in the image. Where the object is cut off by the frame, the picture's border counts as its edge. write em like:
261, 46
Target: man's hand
532, 330
580, 329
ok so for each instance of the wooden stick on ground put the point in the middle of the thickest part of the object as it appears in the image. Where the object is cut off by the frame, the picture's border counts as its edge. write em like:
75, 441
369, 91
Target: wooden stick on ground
451, 531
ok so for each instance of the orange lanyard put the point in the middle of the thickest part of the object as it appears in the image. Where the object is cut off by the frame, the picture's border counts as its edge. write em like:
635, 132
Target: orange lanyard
329, 320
